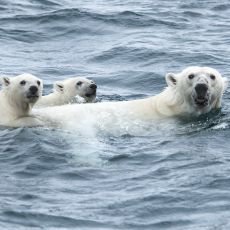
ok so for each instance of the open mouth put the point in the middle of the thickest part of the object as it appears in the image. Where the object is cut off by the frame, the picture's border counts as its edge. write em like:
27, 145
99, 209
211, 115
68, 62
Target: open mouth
201, 101
90, 94
32, 96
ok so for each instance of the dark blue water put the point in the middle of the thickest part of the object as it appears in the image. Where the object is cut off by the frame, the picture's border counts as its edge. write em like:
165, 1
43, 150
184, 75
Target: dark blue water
164, 176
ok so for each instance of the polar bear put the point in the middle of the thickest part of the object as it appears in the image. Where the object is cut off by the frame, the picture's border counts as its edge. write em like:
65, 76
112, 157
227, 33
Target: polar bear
17, 97
192, 92
65, 92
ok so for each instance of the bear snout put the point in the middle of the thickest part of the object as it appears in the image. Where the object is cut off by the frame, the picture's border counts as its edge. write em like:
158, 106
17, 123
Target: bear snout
33, 92
93, 86
201, 95
201, 90
33, 89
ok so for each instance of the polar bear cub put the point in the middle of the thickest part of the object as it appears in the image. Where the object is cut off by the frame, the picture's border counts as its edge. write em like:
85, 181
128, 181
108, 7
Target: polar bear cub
192, 92
17, 97
66, 91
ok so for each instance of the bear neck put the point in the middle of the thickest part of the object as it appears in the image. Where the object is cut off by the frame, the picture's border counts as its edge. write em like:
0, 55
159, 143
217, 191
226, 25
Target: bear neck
17, 108
52, 99
67, 97
60, 98
169, 103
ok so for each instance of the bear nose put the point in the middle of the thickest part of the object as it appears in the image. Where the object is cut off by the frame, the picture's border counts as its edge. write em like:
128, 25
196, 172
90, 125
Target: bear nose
93, 86
33, 89
201, 89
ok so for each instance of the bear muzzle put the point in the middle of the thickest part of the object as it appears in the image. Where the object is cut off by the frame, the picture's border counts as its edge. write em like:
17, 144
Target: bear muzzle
201, 94
33, 92
91, 91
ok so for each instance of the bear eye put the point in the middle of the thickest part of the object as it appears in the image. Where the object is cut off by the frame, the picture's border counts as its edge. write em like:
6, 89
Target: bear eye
212, 76
79, 83
191, 76
23, 82
39, 83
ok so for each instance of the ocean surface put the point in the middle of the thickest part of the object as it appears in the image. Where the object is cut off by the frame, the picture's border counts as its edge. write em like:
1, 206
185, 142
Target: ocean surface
172, 175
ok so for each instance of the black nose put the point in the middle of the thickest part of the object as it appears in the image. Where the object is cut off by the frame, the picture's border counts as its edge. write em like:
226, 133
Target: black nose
93, 86
33, 89
201, 89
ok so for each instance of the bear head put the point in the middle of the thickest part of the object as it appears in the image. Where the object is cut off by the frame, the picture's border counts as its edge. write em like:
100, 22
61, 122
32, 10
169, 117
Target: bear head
199, 89
77, 86
24, 89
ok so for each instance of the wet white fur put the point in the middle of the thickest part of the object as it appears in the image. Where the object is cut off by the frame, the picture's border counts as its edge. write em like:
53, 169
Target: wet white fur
65, 92
14, 103
175, 100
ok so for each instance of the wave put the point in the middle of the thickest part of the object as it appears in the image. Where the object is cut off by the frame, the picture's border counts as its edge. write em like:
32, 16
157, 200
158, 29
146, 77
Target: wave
36, 219
131, 54
124, 18
221, 7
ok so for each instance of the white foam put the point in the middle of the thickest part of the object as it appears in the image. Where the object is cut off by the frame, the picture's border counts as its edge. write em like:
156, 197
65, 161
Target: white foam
223, 125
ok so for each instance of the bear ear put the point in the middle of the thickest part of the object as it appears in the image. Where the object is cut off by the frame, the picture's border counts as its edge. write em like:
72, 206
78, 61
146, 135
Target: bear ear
225, 81
5, 81
171, 79
59, 87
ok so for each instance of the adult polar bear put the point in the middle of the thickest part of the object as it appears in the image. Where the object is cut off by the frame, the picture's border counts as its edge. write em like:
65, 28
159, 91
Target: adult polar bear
17, 97
65, 92
192, 92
